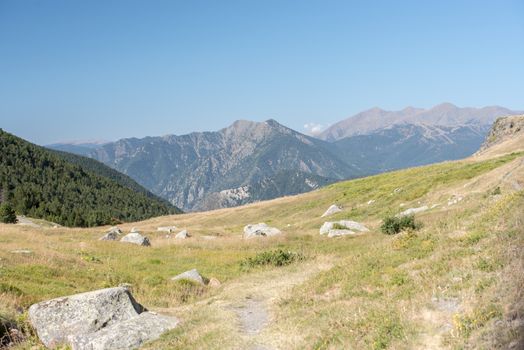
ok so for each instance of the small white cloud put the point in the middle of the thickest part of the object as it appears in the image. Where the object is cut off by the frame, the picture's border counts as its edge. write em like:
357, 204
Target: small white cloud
314, 128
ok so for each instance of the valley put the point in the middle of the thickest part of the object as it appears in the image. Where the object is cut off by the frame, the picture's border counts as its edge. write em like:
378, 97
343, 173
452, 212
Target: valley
456, 282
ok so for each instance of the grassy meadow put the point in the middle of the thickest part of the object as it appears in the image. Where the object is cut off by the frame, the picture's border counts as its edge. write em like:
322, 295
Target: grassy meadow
455, 283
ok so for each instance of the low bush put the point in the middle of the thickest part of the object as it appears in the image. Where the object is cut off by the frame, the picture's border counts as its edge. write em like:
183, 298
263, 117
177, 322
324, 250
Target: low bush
277, 257
392, 225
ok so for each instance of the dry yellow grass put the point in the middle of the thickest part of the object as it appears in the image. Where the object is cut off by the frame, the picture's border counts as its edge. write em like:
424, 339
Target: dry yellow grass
426, 289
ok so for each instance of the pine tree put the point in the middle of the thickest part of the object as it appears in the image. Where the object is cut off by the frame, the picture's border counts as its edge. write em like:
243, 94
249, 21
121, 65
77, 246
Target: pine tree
7, 214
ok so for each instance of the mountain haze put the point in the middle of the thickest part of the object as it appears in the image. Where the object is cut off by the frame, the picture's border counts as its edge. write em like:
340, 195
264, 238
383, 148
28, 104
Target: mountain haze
251, 161
186, 169
445, 114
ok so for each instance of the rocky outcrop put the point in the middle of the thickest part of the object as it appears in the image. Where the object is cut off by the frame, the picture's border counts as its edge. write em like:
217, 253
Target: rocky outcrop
342, 228
260, 230
191, 275
504, 128
102, 319
332, 210
136, 238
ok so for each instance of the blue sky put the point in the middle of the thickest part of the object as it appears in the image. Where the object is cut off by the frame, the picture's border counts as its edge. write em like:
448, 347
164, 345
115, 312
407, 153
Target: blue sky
111, 69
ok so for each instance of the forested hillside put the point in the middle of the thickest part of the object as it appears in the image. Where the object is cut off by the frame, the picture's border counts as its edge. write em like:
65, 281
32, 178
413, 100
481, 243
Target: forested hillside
44, 184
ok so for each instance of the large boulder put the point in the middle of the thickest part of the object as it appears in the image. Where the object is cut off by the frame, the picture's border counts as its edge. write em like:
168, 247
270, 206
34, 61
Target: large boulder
136, 238
332, 210
100, 319
412, 211
191, 275
182, 235
341, 228
260, 230
128, 334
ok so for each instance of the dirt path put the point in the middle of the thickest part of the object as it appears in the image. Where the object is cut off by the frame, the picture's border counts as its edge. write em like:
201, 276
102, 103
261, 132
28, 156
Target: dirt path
247, 305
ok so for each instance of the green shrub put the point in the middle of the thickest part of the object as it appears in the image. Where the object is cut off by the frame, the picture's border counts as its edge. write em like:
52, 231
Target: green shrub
7, 214
392, 225
277, 257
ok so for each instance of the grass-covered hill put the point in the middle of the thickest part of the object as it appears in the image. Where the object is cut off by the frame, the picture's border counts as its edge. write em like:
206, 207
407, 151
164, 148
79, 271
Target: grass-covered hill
69, 189
455, 283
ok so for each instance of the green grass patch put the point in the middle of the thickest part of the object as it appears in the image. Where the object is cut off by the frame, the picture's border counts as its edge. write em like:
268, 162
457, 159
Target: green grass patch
277, 257
392, 225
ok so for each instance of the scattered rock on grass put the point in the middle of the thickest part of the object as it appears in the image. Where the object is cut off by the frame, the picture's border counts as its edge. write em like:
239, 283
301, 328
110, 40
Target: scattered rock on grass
136, 238
338, 233
412, 211
260, 230
168, 229
21, 251
345, 227
112, 234
191, 275
102, 319
332, 210
182, 235
214, 283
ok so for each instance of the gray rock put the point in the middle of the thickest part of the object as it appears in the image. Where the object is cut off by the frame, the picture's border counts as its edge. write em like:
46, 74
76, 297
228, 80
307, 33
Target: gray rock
412, 211
103, 319
345, 224
57, 319
110, 236
260, 230
128, 334
115, 229
134, 230
338, 233
182, 235
168, 229
332, 210
136, 238
191, 275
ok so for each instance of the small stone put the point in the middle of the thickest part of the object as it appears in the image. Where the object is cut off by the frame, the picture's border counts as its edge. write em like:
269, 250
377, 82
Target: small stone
333, 209
214, 283
191, 275
168, 229
412, 211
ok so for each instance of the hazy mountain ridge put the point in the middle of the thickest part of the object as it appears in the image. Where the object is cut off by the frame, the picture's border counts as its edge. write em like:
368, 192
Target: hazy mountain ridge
244, 162
445, 114
185, 169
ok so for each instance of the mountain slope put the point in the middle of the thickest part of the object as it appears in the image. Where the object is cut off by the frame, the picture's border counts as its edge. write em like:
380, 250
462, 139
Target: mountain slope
455, 283
445, 114
92, 165
407, 145
186, 169
43, 184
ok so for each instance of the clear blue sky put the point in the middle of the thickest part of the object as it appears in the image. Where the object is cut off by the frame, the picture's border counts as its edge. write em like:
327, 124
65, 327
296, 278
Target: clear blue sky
110, 69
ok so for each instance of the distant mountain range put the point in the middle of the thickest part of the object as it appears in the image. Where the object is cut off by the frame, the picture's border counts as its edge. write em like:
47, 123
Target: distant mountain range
443, 115
251, 161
